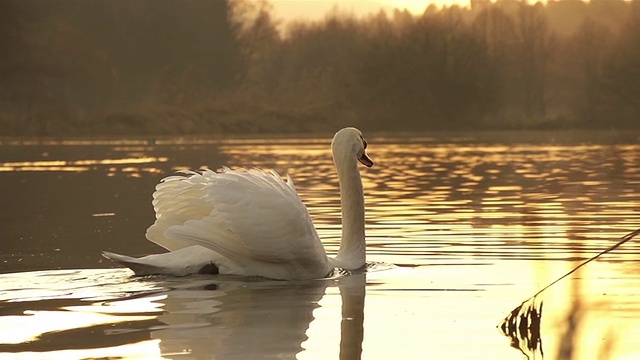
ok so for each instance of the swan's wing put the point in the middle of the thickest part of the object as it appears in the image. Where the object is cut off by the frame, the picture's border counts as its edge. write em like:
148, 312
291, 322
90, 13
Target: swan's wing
177, 199
254, 219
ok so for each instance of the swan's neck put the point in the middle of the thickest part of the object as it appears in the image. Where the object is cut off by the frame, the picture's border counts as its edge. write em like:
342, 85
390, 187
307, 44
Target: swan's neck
352, 246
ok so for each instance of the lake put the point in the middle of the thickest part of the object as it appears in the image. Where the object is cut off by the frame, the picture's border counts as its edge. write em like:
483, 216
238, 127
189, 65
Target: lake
461, 228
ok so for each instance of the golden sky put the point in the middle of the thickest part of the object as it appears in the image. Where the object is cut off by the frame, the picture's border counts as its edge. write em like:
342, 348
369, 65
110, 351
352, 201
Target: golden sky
316, 9
418, 6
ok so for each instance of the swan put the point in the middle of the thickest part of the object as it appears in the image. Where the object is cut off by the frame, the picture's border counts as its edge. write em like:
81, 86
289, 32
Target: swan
252, 222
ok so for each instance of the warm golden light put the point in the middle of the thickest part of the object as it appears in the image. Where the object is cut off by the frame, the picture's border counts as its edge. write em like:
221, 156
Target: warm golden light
74, 165
32, 324
148, 349
475, 228
317, 9
418, 6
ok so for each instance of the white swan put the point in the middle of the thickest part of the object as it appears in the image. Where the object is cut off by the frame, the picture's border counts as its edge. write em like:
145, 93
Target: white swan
253, 223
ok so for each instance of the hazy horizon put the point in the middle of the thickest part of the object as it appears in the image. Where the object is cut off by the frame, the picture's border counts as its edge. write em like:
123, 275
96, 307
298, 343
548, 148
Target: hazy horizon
173, 67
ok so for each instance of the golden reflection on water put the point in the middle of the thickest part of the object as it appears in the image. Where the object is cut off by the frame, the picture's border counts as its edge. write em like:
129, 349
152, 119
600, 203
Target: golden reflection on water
509, 218
81, 165
21, 292
30, 325
444, 204
148, 349
480, 195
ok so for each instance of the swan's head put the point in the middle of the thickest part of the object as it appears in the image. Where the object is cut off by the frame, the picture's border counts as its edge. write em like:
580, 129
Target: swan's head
349, 143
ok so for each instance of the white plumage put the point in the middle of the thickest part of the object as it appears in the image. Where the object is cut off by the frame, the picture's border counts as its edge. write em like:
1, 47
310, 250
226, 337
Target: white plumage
250, 222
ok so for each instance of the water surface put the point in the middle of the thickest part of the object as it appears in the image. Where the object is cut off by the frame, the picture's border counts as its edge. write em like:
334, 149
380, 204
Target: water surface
476, 223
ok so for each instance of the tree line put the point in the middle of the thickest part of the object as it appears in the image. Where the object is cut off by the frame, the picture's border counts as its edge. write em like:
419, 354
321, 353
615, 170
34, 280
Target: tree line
213, 66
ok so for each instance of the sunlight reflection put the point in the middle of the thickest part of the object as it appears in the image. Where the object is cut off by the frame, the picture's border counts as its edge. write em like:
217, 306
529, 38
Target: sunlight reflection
322, 334
476, 226
147, 349
147, 305
32, 324
71, 142
79, 165
56, 304
463, 192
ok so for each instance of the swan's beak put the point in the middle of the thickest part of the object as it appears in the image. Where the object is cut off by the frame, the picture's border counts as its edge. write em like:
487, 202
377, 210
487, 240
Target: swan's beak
365, 160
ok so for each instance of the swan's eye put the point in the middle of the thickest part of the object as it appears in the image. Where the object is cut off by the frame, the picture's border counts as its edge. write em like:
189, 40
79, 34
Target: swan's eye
364, 142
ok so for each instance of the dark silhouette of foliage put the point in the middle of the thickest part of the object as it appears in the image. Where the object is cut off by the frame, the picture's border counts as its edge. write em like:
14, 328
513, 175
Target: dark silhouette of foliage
209, 66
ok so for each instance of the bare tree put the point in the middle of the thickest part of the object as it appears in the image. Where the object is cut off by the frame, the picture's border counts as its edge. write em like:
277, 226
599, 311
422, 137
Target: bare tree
533, 56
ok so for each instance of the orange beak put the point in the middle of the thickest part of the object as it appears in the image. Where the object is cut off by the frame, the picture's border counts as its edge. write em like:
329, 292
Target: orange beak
365, 160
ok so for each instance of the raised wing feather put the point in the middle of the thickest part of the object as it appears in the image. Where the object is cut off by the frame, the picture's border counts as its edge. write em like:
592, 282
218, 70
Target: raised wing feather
253, 219
177, 199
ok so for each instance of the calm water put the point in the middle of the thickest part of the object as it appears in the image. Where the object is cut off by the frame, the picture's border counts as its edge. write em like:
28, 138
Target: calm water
475, 223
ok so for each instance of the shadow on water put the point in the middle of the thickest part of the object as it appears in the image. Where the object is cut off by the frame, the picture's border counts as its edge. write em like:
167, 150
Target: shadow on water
94, 313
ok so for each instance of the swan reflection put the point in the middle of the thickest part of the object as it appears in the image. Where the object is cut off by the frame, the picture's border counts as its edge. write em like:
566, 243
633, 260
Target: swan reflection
106, 312
239, 320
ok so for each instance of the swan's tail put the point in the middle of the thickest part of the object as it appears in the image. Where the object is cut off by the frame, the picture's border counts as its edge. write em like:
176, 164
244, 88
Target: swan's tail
138, 266
190, 260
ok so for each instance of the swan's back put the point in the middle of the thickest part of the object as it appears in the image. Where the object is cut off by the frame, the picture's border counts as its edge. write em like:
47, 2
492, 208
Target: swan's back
253, 220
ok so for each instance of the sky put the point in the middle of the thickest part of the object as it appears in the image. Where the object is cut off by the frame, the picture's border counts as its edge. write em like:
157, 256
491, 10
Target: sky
316, 9
418, 6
